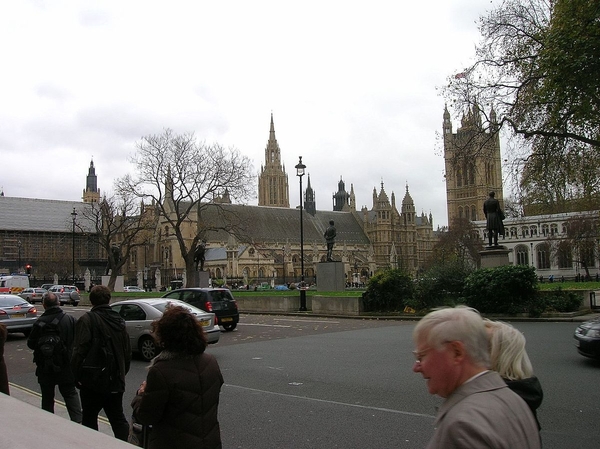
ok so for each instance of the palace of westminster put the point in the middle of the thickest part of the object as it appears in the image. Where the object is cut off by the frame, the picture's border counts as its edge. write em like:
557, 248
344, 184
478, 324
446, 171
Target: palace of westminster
42, 233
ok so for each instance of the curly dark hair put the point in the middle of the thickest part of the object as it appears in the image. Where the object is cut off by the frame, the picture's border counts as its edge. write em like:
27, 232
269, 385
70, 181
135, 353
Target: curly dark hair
179, 331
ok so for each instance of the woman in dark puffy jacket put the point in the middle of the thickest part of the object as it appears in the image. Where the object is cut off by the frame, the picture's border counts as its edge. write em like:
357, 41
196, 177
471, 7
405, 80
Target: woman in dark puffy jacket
180, 396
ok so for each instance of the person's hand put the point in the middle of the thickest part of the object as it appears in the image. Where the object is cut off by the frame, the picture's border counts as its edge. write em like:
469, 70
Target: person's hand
142, 388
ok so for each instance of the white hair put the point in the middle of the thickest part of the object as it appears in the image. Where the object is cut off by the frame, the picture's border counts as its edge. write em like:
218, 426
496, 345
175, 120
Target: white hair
461, 323
507, 351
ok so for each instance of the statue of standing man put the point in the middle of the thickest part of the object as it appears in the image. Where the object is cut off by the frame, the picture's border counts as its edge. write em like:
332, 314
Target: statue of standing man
199, 255
494, 216
329, 235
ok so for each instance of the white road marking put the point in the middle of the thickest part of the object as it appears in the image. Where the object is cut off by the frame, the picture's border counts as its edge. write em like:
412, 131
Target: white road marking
306, 321
367, 407
264, 325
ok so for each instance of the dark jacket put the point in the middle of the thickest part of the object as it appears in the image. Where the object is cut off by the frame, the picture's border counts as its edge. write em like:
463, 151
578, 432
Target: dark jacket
109, 323
66, 330
530, 391
3, 372
181, 401
493, 215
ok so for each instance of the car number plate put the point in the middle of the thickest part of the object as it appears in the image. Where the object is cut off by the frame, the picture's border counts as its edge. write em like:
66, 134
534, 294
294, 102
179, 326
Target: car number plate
205, 323
17, 315
225, 320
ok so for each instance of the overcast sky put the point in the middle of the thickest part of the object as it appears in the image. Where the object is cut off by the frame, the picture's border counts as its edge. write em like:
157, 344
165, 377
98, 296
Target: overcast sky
352, 87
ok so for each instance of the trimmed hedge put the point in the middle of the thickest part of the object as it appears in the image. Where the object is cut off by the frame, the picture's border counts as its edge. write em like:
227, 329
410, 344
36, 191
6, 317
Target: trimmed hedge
387, 291
503, 290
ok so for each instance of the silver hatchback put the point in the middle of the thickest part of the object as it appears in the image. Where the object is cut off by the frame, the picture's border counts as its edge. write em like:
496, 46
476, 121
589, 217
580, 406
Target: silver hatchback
140, 313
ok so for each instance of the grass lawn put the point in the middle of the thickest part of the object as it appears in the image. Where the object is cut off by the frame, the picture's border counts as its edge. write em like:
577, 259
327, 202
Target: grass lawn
569, 285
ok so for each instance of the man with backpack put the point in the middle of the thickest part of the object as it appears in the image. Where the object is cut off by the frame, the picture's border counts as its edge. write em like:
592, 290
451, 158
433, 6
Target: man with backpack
101, 358
52, 339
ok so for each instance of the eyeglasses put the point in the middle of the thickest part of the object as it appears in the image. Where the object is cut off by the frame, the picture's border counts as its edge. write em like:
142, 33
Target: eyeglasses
419, 355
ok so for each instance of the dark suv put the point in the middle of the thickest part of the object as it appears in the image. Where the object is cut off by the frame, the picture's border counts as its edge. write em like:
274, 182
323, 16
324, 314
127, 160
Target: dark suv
216, 300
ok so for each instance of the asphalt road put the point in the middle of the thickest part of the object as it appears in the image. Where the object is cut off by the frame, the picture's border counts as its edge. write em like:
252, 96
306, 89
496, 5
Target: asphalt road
295, 382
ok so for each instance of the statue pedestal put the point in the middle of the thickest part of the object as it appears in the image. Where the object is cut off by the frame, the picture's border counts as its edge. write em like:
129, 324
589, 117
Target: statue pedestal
330, 277
494, 256
198, 279
119, 283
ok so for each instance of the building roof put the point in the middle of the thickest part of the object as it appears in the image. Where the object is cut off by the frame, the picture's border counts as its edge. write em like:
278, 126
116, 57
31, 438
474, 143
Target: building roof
278, 224
30, 214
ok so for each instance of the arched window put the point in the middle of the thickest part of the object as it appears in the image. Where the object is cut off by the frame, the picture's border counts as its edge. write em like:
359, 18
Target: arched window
533, 230
545, 230
554, 229
543, 256
565, 256
522, 255
471, 173
458, 177
473, 213
460, 212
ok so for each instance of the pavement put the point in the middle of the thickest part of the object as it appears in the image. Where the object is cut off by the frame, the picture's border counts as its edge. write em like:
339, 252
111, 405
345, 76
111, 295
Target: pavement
35, 399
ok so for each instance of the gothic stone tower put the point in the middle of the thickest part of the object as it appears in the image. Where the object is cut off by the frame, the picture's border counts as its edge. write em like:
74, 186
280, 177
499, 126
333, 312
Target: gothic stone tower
273, 187
473, 165
91, 194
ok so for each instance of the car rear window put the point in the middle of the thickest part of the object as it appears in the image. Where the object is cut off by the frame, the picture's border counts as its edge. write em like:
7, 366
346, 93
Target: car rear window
221, 295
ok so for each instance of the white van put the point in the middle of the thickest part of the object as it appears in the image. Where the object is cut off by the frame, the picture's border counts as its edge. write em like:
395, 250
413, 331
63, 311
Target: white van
13, 284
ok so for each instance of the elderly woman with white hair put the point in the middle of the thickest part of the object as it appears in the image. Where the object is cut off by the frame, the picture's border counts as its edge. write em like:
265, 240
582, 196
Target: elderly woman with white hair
509, 358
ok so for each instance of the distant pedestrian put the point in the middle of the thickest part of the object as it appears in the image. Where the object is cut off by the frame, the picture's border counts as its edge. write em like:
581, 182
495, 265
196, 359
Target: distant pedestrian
3, 371
102, 326
479, 411
180, 397
509, 359
52, 339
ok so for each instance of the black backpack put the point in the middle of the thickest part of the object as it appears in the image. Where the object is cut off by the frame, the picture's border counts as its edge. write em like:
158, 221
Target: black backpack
100, 369
51, 355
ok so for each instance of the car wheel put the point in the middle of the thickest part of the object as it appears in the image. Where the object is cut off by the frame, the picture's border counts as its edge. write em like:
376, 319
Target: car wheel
229, 327
148, 348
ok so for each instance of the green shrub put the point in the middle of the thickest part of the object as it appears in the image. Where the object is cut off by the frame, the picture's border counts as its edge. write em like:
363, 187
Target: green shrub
442, 285
504, 290
563, 301
387, 291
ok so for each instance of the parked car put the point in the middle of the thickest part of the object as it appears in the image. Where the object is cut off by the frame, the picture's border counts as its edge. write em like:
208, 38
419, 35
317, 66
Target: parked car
140, 313
17, 314
46, 286
67, 294
217, 300
32, 295
587, 335
132, 288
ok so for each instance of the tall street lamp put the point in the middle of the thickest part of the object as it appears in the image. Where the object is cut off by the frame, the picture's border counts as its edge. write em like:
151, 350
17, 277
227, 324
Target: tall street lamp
74, 215
300, 169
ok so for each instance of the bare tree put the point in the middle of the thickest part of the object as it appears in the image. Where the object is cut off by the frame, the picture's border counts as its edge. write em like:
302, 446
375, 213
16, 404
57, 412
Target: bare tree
534, 67
460, 243
183, 178
580, 244
120, 223
524, 69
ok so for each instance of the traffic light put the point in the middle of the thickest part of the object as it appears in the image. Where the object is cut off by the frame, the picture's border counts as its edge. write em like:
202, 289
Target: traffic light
28, 268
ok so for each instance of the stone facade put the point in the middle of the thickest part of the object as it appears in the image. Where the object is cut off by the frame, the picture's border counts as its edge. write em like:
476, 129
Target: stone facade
473, 165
